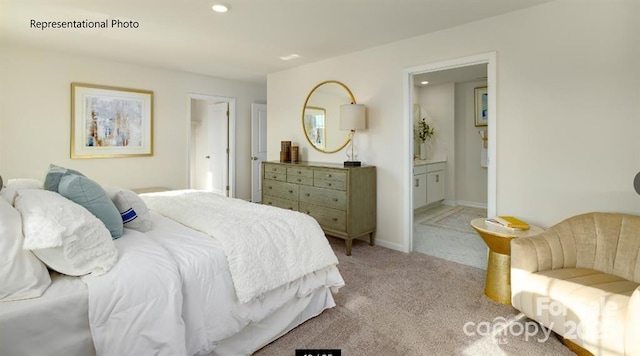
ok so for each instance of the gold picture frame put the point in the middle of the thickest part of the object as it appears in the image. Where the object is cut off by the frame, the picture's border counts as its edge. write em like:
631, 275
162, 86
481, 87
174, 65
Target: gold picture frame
110, 122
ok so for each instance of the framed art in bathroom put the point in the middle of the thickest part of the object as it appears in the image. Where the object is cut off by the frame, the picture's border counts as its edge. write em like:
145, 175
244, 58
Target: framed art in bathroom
109, 122
481, 112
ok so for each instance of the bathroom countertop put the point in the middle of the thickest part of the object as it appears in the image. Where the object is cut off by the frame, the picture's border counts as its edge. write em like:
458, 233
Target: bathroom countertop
420, 162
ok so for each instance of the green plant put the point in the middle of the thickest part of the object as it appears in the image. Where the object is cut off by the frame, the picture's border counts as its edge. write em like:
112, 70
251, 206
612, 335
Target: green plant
424, 130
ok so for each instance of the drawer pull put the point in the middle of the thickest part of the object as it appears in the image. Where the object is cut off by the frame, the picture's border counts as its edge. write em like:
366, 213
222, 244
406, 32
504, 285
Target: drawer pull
274, 169
290, 208
335, 219
299, 180
274, 177
329, 175
269, 203
299, 172
307, 194
335, 199
291, 191
270, 187
308, 213
329, 184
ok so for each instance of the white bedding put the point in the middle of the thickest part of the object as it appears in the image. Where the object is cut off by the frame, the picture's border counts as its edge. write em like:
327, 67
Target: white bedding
170, 293
192, 271
55, 323
265, 247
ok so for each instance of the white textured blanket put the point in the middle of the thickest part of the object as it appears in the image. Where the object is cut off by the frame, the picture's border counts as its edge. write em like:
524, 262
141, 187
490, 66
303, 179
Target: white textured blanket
266, 247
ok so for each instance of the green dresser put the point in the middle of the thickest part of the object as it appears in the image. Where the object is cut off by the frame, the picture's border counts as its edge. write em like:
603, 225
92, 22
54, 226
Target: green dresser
341, 199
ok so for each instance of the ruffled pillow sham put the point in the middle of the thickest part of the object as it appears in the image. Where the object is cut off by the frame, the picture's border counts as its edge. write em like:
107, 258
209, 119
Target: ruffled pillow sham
22, 274
64, 235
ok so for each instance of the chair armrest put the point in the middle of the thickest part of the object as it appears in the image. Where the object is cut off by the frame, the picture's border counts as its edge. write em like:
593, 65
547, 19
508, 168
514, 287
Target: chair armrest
632, 325
534, 254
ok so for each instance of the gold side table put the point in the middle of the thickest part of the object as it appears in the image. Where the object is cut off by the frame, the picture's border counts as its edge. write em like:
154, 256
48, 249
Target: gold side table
498, 283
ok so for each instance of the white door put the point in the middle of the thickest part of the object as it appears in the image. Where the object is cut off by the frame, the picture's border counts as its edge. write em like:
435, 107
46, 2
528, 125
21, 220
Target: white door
258, 148
218, 128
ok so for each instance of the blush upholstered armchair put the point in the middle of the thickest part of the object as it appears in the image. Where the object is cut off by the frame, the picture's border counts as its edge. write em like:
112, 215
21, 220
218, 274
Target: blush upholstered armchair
580, 278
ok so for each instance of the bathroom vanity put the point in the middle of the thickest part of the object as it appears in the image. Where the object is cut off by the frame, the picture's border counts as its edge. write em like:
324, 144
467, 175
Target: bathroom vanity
428, 182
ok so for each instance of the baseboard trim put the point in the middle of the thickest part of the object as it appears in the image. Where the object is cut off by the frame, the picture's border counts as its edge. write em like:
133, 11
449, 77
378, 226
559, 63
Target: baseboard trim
389, 245
471, 204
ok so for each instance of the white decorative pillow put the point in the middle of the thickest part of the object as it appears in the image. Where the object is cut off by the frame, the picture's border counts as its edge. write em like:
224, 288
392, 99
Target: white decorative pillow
19, 183
64, 235
22, 275
134, 212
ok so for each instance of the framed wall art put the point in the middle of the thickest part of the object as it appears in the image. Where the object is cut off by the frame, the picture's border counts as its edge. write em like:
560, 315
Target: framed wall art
110, 121
482, 116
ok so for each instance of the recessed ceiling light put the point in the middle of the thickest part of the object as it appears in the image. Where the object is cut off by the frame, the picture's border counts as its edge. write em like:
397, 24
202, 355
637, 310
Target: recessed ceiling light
290, 57
424, 82
220, 7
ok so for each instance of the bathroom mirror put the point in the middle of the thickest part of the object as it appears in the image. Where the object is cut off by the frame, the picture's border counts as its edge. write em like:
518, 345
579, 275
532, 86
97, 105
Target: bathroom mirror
321, 116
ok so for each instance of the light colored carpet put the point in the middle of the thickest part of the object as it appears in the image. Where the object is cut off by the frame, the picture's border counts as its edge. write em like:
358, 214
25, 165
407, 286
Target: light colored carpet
410, 304
444, 231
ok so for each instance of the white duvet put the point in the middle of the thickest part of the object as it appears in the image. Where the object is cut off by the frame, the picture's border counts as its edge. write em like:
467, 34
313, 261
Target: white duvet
171, 293
266, 247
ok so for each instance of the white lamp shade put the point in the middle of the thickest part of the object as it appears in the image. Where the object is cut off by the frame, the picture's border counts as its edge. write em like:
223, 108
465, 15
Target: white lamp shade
352, 117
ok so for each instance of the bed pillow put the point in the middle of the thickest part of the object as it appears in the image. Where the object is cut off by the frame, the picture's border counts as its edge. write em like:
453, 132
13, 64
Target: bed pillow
64, 235
22, 274
134, 212
9, 193
55, 174
90, 195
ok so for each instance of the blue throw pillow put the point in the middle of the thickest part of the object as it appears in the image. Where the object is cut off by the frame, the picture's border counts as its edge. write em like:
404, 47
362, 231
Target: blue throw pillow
89, 194
52, 180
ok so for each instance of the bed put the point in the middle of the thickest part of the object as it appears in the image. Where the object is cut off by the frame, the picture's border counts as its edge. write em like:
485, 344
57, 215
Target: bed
176, 290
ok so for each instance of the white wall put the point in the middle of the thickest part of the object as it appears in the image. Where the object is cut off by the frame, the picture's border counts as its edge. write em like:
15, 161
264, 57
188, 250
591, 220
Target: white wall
437, 103
35, 118
471, 178
568, 89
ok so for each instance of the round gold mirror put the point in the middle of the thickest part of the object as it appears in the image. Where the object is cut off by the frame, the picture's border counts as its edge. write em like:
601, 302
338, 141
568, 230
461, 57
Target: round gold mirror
321, 116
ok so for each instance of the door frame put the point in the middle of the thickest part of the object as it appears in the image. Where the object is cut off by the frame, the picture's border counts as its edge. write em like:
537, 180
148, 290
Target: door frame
232, 136
486, 58
256, 176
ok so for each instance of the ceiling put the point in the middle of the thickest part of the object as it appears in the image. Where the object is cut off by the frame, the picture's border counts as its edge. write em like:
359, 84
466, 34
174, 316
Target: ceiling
245, 43
456, 75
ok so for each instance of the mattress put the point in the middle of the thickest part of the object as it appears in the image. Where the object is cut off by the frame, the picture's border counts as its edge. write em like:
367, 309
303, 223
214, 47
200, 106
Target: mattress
215, 322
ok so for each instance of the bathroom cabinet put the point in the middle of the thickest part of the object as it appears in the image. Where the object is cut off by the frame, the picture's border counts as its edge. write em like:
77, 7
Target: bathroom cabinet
428, 182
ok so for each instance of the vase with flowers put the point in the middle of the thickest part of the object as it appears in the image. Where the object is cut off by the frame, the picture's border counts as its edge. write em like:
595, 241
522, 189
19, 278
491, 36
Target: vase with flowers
424, 132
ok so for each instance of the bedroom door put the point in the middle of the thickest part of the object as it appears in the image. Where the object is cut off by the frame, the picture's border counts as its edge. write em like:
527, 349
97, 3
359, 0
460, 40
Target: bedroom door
258, 148
218, 127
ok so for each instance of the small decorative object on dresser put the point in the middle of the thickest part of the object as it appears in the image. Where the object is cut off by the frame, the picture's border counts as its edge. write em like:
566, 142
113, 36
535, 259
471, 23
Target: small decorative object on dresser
341, 199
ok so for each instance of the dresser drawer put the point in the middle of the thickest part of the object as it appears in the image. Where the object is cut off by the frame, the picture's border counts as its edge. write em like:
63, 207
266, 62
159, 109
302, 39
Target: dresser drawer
300, 172
300, 180
329, 178
328, 218
330, 174
281, 190
280, 203
282, 177
336, 199
300, 175
274, 168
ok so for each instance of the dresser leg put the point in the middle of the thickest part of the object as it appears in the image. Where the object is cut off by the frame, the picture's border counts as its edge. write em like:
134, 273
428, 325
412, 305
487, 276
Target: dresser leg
348, 242
372, 239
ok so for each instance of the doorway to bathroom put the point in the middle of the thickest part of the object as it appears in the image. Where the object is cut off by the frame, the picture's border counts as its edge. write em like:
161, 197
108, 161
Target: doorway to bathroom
464, 152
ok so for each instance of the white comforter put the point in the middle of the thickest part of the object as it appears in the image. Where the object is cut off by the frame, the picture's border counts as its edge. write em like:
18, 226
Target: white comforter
266, 247
143, 288
171, 293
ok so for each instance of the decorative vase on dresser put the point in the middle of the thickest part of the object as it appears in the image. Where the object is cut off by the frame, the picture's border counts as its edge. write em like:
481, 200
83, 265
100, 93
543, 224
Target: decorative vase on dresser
342, 199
